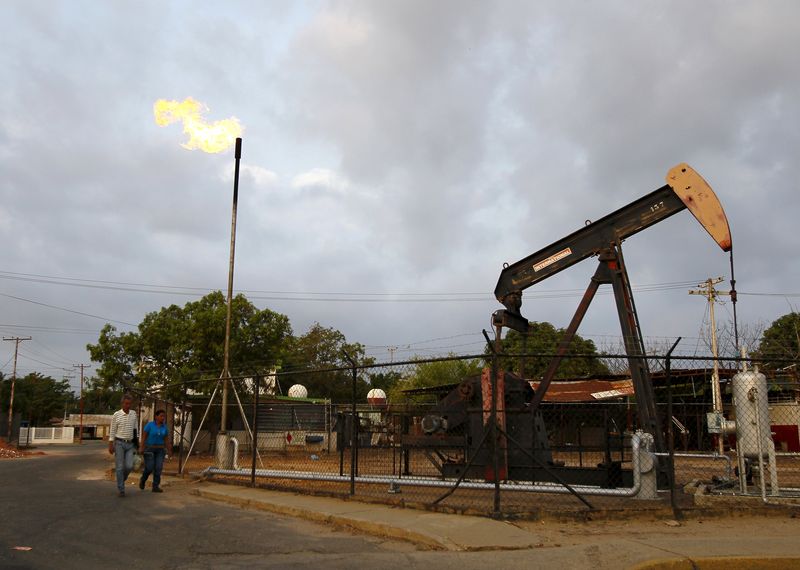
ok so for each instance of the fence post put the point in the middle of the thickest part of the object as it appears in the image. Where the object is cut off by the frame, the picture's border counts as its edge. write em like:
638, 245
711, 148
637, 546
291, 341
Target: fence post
493, 417
353, 431
671, 434
183, 429
255, 431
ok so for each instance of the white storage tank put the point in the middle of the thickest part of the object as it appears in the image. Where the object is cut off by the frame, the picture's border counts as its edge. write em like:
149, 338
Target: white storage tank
376, 397
298, 391
752, 414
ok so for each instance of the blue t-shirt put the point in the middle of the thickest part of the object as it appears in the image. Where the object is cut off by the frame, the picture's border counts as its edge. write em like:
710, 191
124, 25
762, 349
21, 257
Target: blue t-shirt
156, 435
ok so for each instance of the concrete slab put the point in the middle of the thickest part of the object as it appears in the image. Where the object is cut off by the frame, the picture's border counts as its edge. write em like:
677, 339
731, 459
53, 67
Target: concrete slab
432, 530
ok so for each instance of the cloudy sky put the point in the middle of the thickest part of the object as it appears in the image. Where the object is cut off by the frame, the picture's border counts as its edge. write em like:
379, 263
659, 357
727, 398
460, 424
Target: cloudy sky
395, 155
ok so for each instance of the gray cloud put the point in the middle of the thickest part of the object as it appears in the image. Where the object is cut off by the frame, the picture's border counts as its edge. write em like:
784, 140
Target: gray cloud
389, 148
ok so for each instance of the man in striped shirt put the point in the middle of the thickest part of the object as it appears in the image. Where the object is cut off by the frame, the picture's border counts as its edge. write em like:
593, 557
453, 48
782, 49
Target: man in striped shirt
124, 425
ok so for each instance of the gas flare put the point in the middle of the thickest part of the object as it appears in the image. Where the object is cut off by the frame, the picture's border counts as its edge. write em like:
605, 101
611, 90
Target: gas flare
208, 137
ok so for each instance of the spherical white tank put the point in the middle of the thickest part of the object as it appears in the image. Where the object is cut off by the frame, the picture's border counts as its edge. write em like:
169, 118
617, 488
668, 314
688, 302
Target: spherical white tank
752, 414
376, 397
298, 391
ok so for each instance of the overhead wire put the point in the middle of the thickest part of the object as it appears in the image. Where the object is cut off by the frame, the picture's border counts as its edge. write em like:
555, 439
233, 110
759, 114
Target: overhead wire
327, 296
47, 348
41, 328
66, 309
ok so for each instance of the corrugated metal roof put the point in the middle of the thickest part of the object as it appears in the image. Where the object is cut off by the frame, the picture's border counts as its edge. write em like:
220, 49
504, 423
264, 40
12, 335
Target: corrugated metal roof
586, 390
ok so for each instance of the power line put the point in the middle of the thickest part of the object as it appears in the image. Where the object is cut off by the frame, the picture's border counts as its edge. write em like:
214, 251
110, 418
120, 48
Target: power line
769, 294
304, 295
51, 364
40, 355
42, 328
66, 310
61, 356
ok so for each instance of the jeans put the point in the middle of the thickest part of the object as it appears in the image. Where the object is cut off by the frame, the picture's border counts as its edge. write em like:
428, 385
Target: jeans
123, 461
153, 463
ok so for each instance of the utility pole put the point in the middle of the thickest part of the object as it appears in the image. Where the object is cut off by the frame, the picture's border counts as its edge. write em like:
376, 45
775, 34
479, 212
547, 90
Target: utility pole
17, 340
81, 366
711, 294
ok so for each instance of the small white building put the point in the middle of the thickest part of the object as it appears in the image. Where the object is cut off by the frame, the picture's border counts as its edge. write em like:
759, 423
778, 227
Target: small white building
95, 426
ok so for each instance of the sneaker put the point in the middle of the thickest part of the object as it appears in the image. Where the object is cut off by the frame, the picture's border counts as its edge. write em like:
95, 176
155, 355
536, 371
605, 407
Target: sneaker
141, 484
157, 490
121, 494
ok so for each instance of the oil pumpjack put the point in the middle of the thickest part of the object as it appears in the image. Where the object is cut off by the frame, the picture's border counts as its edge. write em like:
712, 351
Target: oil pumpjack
684, 189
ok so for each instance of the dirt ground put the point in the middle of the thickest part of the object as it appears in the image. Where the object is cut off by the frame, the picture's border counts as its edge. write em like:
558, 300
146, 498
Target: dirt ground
11, 452
520, 505
667, 534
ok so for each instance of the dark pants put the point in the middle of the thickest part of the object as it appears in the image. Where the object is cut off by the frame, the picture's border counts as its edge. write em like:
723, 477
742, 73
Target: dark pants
153, 463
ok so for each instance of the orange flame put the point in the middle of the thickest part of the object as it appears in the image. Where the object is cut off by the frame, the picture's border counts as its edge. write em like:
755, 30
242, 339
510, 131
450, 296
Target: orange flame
208, 137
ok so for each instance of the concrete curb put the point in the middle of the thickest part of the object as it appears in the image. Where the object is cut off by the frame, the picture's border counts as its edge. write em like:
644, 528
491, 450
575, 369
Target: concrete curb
721, 563
434, 531
375, 529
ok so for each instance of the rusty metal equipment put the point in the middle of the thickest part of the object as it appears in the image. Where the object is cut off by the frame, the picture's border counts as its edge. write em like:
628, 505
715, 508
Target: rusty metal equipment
453, 438
685, 189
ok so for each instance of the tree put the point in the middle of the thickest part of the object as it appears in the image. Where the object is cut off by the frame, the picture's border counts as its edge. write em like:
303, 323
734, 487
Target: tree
178, 345
38, 398
749, 335
780, 341
543, 338
99, 398
386, 381
436, 373
312, 357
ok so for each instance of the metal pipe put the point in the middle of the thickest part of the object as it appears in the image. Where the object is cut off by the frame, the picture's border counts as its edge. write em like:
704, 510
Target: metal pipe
200, 427
183, 429
754, 398
235, 443
671, 432
227, 346
702, 456
255, 430
422, 482
353, 426
494, 432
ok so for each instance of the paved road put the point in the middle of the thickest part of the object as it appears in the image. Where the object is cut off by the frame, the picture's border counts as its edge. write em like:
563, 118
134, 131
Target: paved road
62, 507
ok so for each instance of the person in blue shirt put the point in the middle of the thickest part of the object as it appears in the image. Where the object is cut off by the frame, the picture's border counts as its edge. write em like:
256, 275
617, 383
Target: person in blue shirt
154, 445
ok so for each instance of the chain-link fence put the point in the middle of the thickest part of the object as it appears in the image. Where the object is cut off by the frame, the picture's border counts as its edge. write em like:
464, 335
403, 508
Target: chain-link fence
435, 436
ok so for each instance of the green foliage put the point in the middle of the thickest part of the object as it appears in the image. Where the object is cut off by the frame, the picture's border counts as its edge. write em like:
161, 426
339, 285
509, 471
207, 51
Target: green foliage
311, 357
544, 338
38, 398
99, 398
437, 373
781, 340
386, 381
186, 344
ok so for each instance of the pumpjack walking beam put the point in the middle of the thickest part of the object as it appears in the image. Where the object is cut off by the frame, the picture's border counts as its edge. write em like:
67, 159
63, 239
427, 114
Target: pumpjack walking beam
685, 189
